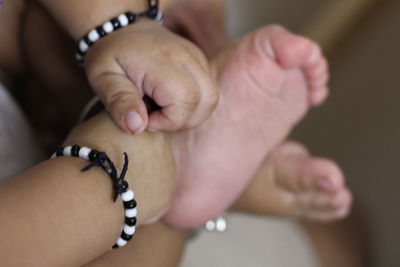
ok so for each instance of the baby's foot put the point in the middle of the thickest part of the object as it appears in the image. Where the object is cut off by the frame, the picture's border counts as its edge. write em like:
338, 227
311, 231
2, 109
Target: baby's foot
291, 183
267, 82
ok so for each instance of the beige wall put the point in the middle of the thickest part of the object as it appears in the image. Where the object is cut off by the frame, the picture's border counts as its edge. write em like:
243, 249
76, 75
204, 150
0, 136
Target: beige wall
360, 125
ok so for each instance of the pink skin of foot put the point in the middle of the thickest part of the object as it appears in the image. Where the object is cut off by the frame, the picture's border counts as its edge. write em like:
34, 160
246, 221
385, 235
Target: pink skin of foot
291, 183
267, 82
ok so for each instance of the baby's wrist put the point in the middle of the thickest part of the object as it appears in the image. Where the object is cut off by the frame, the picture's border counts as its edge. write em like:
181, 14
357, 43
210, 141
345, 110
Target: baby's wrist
120, 21
79, 16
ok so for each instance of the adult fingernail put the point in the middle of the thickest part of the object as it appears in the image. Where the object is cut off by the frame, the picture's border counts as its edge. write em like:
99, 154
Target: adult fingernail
134, 121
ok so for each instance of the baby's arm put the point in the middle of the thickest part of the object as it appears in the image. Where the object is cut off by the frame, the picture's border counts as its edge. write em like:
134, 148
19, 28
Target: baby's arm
55, 215
155, 245
143, 58
78, 17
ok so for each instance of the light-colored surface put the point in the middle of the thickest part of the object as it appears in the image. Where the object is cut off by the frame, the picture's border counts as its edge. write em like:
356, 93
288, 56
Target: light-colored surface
253, 242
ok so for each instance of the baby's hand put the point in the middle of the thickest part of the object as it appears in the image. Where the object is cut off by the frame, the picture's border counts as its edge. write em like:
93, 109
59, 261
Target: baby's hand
146, 59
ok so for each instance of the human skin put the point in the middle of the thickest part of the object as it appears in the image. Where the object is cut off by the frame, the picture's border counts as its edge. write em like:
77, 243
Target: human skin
47, 45
155, 245
72, 218
131, 62
78, 17
276, 190
291, 183
282, 75
144, 250
218, 121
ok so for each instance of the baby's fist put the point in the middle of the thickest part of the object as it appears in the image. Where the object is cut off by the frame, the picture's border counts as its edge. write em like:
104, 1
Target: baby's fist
146, 59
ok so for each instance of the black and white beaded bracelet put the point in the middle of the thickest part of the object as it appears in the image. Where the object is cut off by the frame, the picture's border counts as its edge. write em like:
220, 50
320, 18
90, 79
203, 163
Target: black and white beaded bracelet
100, 159
114, 24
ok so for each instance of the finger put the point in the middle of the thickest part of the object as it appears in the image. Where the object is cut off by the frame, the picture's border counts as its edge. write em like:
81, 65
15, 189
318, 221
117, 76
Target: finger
208, 95
123, 101
178, 96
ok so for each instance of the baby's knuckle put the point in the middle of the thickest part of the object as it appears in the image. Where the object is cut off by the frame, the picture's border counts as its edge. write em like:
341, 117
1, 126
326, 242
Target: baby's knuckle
117, 99
212, 99
191, 99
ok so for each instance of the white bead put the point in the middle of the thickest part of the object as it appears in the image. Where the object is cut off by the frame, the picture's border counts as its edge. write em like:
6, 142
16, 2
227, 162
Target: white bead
67, 151
127, 196
210, 225
84, 153
121, 242
130, 213
108, 27
221, 224
93, 36
129, 230
83, 46
123, 20
78, 57
53, 156
159, 18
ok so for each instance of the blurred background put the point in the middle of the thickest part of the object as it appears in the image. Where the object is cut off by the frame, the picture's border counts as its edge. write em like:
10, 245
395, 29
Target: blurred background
358, 127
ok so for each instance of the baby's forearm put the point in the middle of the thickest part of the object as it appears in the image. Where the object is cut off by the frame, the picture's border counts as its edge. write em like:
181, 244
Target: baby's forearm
55, 215
80, 16
156, 245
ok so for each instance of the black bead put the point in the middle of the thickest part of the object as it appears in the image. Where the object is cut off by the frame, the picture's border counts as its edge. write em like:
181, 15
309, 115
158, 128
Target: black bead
78, 51
115, 23
88, 41
60, 152
130, 204
152, 13
100, 31
115, 246
80, 61
131, 17
130, 221
125, 236
75, 150
93, 155
125, 186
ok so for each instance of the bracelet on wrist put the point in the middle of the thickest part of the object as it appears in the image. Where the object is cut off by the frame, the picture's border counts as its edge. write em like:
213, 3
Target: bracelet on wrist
121, 187
114, 24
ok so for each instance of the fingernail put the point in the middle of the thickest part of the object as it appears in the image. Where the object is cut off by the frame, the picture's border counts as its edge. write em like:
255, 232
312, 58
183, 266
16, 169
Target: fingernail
134, 121
326, 185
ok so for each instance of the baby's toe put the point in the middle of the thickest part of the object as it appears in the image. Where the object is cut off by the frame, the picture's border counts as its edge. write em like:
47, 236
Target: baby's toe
326, 207
326, 174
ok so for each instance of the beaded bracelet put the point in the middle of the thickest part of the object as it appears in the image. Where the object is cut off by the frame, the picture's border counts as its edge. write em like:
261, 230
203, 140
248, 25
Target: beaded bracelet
100, 159
114, 24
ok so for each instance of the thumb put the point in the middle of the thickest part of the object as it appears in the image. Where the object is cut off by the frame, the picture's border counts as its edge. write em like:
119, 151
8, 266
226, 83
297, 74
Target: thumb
123, 102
